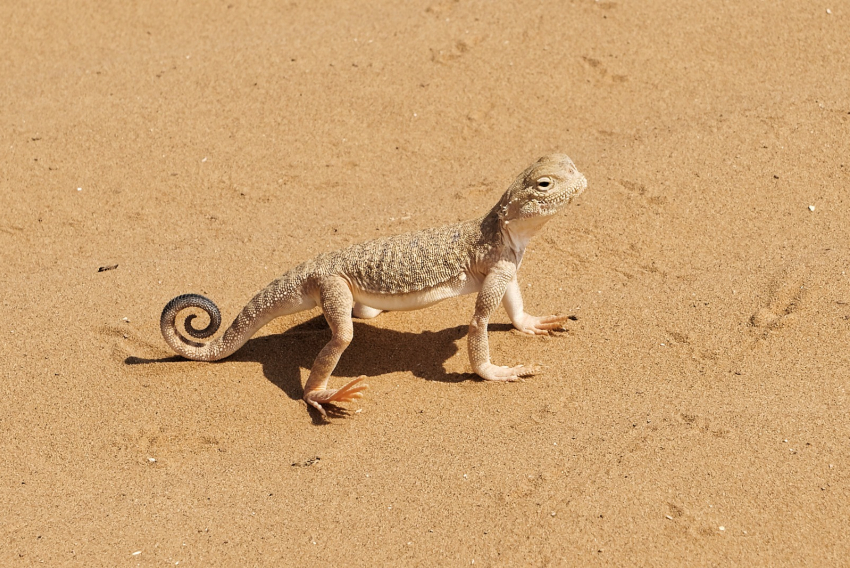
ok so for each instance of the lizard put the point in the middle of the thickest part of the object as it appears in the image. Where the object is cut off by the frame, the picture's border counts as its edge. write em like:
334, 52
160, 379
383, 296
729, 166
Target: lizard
401, 272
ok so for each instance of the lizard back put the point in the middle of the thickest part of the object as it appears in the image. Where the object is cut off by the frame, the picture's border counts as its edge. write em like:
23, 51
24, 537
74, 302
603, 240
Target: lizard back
412, 262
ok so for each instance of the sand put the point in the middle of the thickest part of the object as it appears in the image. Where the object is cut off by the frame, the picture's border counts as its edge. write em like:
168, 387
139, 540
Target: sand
694, 413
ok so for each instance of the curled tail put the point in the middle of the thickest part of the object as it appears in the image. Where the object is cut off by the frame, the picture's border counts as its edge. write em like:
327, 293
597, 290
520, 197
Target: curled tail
279, 298
184, 346
180, 303
240, 331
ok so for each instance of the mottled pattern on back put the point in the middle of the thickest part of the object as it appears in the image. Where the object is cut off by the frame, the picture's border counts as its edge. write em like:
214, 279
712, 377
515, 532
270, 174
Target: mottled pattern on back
415, 261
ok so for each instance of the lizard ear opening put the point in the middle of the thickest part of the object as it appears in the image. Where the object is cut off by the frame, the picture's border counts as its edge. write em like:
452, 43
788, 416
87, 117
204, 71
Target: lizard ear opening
502, 206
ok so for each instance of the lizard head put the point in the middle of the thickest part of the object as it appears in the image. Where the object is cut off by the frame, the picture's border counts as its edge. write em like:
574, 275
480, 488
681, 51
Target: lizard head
541, 191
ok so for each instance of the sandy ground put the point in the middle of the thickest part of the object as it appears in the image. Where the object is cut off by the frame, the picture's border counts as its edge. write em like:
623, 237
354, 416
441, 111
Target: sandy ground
696, 411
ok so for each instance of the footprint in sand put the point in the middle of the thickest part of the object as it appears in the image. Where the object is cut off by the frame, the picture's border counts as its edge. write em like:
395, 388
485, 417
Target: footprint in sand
150, 445
127, 342
600, 72
784, 300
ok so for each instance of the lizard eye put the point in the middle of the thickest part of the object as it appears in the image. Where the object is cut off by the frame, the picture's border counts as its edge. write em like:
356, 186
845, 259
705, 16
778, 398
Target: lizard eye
544, 184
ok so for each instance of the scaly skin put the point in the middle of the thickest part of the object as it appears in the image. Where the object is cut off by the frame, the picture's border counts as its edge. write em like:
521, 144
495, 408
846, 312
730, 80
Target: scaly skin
402, 272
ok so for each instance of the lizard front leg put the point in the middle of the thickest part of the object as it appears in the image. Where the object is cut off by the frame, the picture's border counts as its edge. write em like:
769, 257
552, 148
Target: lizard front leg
492, 290
526, 323
336, 300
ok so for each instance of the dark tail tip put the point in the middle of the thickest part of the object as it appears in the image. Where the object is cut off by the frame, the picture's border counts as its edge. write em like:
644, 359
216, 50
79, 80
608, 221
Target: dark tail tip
180, 303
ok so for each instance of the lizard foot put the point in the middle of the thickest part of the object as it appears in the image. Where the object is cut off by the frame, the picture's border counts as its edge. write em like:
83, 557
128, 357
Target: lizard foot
532, 325
490, 372
351, 391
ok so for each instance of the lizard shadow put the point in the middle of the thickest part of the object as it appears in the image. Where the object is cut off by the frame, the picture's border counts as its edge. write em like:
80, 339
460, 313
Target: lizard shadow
374, 351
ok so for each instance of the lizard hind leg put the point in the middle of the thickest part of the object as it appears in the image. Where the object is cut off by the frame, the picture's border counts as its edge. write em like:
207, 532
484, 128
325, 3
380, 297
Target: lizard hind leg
336, 302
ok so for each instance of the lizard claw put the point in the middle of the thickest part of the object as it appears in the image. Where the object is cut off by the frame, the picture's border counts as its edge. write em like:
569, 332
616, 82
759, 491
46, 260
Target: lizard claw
351, 391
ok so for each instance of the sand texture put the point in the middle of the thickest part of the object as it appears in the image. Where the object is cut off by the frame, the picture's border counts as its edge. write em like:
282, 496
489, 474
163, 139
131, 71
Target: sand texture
694, 413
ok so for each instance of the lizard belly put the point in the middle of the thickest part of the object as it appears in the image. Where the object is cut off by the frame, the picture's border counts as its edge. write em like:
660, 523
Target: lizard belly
457, 286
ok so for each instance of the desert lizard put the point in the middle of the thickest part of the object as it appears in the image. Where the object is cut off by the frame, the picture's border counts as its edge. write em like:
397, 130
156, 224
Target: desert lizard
402, 272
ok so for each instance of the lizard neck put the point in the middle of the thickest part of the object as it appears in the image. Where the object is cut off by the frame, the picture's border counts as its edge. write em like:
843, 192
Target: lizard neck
517, 233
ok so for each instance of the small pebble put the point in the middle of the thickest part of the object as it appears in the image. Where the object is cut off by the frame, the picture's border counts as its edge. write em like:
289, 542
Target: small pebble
723, 528
828, 11
152, 460
811, 207
668, 517
137, 553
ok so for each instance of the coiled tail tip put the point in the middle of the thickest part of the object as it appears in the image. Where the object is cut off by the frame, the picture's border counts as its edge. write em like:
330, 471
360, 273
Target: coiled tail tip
168, 322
